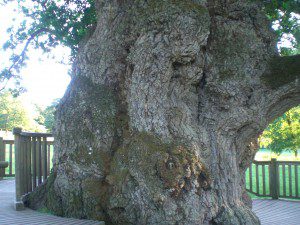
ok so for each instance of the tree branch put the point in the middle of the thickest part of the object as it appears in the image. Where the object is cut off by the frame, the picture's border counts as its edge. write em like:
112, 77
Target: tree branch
282, 71
20, 59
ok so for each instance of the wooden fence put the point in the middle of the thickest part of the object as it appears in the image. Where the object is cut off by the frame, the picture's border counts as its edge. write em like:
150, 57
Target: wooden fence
32, 162
8, 152
276, 179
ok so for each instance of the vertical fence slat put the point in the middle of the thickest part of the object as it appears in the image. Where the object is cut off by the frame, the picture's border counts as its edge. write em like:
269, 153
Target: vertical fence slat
257, 178
34, 165
25, 162
250, 177
45, 159
23, 165
10, 159
264, 179
290, 181
39, 160
48, 159
18, 169
284, 180
2, 157
273, 179
29, 172
296, 181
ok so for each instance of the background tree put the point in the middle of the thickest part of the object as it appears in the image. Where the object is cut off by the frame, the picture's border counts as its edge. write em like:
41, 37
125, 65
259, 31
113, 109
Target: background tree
284, 132
48, 115
13, 113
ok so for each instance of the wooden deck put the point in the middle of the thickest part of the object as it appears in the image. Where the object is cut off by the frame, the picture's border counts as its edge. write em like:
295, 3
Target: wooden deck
277, 212
270, 212
8, 216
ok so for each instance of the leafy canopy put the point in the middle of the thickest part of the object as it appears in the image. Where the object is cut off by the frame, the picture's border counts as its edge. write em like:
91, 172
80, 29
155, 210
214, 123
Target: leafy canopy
49, 23
47, 115
285, 15
284, 132
46, 24
14, 114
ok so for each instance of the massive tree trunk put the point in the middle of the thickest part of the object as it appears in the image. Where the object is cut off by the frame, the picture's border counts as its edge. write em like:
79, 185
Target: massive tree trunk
161, 118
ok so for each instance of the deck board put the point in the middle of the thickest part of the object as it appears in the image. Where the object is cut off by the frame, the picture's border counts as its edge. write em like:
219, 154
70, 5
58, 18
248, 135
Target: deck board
277, 212
270, 212
8, 215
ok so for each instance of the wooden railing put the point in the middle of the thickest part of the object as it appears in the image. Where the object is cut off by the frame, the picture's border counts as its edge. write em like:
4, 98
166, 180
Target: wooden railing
32, 162
8, 152
276, 179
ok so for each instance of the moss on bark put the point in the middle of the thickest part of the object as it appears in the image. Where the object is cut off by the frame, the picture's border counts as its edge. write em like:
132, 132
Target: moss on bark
283, 70
45, 199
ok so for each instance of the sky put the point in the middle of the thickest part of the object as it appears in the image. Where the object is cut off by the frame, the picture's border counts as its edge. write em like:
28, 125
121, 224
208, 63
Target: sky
44, 78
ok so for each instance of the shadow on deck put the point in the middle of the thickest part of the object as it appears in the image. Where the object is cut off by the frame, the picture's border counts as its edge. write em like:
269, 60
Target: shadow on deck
270, 212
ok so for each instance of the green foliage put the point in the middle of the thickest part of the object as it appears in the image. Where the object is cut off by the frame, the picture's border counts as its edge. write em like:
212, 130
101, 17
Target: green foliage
285, 15
13, 114
46, 25
284, 132
48, 115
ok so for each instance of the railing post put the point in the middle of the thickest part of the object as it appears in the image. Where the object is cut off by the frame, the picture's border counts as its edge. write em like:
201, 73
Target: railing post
274, 184
19, 169
2, 158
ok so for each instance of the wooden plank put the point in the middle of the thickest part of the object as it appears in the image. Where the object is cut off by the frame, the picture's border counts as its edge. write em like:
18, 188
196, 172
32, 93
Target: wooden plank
289, 162
18, 168
2, 157
264, 180
22, 165
262, 162
10, 159
45, 173
250, 177
257, 179
290, 181
38, 135
29, 178
39, 160
296, 181
284, 180
273, 179
8, 142
48, 159
34, 164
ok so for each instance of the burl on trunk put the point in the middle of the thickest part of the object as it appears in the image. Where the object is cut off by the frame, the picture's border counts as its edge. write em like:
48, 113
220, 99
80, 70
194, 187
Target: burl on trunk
162, 115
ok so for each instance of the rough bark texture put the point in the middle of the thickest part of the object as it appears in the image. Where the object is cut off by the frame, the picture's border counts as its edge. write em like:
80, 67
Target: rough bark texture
161, 118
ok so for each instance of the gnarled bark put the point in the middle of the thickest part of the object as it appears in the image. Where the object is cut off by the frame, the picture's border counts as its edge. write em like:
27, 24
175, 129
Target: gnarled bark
161, 118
